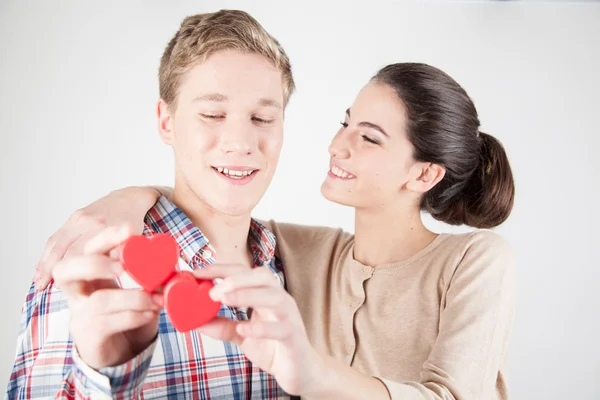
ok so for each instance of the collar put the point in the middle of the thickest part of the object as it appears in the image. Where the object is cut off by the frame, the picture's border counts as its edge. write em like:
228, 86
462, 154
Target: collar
166, 217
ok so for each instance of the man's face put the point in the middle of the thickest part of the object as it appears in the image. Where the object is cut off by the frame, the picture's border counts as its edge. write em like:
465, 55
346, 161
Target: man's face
226, 130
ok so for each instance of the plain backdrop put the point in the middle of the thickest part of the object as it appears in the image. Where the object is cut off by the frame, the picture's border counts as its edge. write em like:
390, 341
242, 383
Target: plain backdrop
78, 86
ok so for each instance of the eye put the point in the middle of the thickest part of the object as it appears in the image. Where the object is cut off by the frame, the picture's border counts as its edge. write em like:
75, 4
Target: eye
262, 120
370, 140
344, 124
212, 116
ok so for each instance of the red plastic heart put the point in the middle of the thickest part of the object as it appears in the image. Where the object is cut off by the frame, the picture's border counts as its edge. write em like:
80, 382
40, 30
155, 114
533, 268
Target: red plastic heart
187, 302
150, 261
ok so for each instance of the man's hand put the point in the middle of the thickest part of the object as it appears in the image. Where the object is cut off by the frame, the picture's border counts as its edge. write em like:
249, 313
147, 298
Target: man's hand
109, 325
274, 338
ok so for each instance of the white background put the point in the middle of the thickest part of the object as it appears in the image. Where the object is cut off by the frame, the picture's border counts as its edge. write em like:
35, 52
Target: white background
78, 88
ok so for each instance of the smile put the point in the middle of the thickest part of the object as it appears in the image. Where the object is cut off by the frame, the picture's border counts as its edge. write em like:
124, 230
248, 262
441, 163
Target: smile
337, 172
236, 175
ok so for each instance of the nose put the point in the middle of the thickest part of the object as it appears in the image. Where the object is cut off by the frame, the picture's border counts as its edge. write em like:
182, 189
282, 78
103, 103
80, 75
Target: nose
237, 138
339, 147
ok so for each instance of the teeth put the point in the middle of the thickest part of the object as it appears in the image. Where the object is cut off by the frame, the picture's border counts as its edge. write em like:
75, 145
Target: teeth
234, 174
341, 173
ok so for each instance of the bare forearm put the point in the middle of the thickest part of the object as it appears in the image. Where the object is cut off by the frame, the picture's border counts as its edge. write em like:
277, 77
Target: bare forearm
142, 196
339, 381
166, 191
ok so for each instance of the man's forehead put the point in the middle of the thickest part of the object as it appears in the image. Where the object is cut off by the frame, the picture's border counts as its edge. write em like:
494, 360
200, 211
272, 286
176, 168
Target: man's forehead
222, 98
233, 77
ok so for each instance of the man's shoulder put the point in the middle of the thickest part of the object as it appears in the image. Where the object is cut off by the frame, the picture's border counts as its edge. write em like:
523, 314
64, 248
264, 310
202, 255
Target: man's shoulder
299, 238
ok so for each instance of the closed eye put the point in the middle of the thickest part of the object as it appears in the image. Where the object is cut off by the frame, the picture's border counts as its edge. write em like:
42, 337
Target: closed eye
262, 120
365, 137
212, 116
370, 140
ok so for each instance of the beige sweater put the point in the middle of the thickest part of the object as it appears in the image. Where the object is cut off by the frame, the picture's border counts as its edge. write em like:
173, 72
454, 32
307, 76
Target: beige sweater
435, 326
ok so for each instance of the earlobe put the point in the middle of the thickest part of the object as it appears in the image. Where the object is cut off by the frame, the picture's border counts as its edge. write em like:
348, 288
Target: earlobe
165, 122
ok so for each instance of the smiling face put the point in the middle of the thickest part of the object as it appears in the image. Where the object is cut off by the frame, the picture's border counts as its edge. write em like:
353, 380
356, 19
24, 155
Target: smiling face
226, 130
372, 162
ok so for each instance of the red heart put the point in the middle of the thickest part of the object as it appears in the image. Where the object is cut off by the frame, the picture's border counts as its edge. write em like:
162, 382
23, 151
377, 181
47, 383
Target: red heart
150, 261
187, 302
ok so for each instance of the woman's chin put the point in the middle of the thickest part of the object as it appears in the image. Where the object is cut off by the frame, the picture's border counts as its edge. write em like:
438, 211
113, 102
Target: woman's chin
336, 195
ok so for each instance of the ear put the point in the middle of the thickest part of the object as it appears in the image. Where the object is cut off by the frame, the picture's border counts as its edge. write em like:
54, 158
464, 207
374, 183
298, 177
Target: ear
426, 176
165, 122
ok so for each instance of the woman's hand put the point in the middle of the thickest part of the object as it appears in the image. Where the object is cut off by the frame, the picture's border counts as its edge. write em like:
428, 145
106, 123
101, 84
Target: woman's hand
124, 206
274, 338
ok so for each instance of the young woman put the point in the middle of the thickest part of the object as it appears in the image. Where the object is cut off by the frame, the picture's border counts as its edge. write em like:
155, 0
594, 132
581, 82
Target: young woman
394, 310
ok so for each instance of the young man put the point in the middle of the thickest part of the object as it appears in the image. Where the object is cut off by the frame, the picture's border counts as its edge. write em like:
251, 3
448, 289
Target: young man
224, 84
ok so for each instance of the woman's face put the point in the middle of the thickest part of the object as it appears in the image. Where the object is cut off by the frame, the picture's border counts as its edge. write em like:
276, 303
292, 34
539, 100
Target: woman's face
371, 156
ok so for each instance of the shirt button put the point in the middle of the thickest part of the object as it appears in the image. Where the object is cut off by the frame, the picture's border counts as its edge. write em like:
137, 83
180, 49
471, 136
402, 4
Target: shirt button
207, 253
355, 304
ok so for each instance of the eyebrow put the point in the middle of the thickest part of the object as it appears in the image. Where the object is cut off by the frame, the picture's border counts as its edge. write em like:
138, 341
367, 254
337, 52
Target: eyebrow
269, 103
370, 125
221, 98
216, 97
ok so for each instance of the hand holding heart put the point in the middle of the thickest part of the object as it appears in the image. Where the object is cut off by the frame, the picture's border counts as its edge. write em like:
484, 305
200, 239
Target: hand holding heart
274, 338
109, 325
151, 263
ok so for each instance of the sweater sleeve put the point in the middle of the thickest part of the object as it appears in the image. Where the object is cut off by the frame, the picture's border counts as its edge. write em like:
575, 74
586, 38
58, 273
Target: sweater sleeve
474, 328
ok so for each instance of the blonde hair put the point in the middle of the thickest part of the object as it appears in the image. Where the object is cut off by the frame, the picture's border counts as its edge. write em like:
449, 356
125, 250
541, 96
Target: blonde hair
202, 35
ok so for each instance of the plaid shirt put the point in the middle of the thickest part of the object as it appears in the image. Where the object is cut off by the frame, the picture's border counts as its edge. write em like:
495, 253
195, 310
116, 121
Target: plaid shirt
175, 366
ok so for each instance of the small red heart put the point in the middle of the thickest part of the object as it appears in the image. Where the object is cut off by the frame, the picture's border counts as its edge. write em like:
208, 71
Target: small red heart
187, 302
150, 261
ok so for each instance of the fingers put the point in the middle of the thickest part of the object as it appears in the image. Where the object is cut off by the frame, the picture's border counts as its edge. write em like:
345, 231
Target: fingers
115, 254
85, 268
107, 240
78, 246
60, 242
54, 251
81, 268
236, 332
42, 278
110, 301
115, 310
236, 276
123, 321
221, 328
279, 330
276, 300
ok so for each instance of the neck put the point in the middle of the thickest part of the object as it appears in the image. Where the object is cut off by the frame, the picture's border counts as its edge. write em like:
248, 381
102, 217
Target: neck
227, 234
385, 236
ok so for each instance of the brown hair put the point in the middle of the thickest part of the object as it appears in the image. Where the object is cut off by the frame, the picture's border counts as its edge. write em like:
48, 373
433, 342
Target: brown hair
202, 35
478, 189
